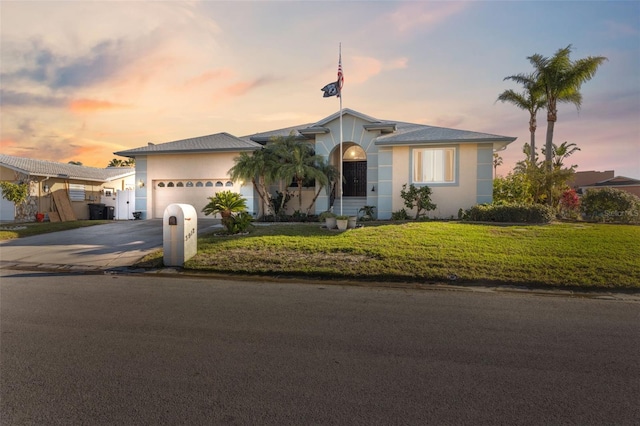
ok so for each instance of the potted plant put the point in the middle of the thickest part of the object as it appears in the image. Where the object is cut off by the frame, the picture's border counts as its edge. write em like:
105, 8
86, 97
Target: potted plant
329, 219
352, 221
368, 212
342, 222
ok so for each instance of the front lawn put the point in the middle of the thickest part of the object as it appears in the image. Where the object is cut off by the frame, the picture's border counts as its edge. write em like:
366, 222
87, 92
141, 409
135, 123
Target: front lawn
582, 255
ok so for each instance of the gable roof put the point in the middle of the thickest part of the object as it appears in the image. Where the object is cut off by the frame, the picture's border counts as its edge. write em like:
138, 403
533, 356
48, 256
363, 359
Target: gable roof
391, 132
32, 167
219, 142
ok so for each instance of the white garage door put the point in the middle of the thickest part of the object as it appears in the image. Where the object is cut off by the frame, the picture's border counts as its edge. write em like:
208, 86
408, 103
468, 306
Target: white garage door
193, 192
7, 209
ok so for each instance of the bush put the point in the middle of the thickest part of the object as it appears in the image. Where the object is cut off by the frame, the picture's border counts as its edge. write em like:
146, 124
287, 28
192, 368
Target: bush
400, 215
611, 205
418, 198
509, 213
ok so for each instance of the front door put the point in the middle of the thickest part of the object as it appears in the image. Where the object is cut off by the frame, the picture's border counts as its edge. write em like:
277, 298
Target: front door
355, 179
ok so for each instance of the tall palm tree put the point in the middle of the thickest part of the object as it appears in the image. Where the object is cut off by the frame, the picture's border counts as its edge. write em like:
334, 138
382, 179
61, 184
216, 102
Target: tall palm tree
531, 100
562, 79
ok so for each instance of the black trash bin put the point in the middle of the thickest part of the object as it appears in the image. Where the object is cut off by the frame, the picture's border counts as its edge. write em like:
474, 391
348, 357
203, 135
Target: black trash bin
96, 211
109, 212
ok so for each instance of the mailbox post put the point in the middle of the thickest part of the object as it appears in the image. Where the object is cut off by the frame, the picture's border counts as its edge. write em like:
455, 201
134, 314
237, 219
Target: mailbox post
180, 234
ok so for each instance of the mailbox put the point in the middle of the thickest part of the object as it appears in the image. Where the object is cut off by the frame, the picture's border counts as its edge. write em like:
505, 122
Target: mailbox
180, 234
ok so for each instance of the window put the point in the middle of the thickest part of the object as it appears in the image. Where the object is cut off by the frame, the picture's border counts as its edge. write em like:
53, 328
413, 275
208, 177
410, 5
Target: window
434, 165
179, 185
161, 185
229, 183
76, 192
189, 184
199, 185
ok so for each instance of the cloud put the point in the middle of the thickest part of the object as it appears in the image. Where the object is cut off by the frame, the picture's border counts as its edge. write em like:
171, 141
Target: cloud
362, 68
243, 87
414, 15
12, 98
91, 105
215, 75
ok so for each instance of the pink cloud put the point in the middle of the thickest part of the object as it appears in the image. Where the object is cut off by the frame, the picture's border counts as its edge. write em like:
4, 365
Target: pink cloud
220, 74
91, 105
420, 14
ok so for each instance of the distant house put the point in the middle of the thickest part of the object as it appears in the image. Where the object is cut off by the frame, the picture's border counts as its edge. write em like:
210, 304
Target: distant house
378, 157
589, 177
77, 185
619, 182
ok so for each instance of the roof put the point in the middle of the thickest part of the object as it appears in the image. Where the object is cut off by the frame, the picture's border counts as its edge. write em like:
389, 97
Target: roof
407, 133
219, 142
618, 181
392, 132
45, 168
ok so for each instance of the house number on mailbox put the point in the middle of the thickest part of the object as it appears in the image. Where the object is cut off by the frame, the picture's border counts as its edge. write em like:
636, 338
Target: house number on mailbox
189, 235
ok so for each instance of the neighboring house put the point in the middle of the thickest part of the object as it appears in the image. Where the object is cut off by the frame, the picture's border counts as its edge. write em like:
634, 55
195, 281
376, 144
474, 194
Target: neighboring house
619, 182
79, 185
590, 177
378, 157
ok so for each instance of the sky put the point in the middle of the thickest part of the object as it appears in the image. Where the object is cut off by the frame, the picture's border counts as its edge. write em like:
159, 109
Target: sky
80, 80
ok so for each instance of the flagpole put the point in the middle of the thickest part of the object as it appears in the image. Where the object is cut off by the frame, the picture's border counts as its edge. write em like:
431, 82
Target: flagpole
340, 95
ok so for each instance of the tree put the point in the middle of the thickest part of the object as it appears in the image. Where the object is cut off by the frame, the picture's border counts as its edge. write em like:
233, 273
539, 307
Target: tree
562, 152
561, 78
75, 163
256, 167
298, 162
15, 192
116, 162
226, 203
418, 198
531, 100
331, 175
497, 161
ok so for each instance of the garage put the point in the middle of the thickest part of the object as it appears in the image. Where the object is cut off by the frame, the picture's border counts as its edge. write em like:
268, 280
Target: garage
186, 191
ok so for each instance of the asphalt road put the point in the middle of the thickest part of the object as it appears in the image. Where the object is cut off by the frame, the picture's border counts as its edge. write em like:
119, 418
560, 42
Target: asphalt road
141, 350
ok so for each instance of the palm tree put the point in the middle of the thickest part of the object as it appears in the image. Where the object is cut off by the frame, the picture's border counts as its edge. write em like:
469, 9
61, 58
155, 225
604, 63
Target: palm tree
531, 100
301, 164
115, 162
225, 203
497, 161
331, 175
256, 167
562, 79
562, 152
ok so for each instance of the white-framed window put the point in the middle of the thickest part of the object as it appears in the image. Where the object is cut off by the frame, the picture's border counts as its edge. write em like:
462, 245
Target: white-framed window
76, 192
434, 165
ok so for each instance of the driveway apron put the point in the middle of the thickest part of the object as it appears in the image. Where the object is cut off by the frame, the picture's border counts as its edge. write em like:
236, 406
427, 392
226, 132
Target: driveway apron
112, 245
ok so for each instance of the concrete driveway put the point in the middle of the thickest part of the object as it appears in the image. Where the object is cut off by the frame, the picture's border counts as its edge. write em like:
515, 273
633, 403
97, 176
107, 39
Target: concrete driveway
100, 247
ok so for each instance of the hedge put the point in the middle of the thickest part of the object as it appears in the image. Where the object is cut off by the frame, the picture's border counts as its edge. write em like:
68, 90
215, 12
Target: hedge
509, 213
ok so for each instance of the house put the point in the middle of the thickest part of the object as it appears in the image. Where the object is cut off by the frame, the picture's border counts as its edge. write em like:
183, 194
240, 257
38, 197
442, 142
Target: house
74, 186
378, 157
589, 177
619, 182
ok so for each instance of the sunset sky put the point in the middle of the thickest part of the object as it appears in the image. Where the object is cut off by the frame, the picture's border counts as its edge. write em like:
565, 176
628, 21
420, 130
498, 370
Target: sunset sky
80, 80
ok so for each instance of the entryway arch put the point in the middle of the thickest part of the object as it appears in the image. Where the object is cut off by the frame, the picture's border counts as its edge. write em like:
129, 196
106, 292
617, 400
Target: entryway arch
354, 169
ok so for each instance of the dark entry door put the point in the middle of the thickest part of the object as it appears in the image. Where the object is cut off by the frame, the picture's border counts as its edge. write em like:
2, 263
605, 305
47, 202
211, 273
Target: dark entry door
355, 179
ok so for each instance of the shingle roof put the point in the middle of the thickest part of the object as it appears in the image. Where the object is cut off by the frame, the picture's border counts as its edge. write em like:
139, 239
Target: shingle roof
404, 133
45, 168
407, 133
218, 142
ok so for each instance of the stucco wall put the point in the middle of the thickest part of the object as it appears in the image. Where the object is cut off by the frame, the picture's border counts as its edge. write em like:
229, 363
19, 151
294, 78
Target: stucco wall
185, 168
449, 198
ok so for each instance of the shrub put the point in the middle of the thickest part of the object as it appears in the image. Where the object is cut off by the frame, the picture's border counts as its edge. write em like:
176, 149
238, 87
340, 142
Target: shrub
239, 223
509, 213
419, 198
569, 204
324, 215
400, 215
611, 205
14, 192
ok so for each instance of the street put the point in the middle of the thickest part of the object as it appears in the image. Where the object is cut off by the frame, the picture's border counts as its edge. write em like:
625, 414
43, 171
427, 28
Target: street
149, 350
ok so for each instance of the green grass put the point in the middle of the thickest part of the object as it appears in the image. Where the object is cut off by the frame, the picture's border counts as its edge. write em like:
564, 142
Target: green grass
9, 231
559, 255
